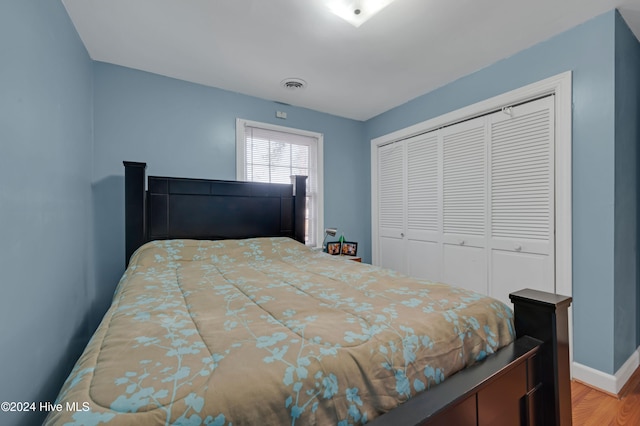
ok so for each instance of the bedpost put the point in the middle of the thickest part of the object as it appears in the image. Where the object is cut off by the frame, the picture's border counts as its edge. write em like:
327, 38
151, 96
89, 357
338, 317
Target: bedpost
299, 207
134, 207
544, 316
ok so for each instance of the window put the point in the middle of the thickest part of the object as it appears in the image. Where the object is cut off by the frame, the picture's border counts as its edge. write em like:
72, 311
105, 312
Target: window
269, 153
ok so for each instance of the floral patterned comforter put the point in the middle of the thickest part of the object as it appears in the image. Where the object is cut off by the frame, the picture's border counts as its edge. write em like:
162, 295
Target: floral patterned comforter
266, 331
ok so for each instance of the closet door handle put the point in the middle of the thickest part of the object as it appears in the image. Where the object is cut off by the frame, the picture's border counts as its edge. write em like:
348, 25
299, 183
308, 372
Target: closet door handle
462, 242
518, 247
402, 234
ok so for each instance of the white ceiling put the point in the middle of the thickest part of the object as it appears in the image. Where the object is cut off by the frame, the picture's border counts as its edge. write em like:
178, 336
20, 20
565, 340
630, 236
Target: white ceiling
249, 46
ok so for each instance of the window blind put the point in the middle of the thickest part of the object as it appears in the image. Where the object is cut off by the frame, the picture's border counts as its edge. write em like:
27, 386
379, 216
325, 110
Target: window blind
274, 156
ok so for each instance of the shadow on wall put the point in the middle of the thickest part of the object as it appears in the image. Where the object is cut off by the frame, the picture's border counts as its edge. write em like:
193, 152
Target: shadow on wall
108, 250
108, 244
53, 383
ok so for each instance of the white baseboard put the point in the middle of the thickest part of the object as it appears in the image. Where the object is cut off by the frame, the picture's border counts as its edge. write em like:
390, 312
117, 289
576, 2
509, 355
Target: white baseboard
609, 383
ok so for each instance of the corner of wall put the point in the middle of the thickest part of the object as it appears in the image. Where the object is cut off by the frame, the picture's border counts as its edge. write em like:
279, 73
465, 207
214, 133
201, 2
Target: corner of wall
627, 135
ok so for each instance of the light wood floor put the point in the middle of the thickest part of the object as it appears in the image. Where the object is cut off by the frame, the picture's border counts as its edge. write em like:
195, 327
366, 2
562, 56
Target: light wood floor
592, 407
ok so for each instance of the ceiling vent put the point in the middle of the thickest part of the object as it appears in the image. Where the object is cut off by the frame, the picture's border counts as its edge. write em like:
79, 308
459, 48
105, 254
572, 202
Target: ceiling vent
293, 83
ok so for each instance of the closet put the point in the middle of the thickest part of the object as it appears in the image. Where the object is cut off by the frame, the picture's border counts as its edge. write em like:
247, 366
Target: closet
472, 204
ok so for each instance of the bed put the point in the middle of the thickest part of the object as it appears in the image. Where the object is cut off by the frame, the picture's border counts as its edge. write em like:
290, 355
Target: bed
224, 316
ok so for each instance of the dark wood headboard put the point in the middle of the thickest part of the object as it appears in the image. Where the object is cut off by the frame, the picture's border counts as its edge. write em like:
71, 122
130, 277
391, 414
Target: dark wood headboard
209, 209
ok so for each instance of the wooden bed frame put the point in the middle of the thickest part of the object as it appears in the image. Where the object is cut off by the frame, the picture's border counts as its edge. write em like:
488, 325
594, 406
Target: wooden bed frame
525, 383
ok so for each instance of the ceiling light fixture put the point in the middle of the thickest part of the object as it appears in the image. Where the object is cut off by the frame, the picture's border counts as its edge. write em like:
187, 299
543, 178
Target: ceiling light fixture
357, 12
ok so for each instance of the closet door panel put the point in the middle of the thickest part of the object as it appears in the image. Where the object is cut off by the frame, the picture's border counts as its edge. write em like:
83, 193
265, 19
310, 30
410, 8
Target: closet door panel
392, 254
464, 178
423, 236
391, 207
464, 204
465, 267
518, 270
521, 175
424, 260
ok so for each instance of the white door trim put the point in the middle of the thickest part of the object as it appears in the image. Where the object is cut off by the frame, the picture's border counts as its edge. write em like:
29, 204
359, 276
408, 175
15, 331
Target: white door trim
559, 85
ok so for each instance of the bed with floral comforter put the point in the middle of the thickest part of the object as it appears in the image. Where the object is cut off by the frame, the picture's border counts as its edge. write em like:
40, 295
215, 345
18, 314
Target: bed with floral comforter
267, 331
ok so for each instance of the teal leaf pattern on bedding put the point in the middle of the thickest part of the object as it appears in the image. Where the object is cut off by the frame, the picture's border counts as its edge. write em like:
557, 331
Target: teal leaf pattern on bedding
267, 331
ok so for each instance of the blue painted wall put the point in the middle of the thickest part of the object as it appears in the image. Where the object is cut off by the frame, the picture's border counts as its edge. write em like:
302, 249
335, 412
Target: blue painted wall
603, 197
185, 129
59, 112
45, 176
627, 134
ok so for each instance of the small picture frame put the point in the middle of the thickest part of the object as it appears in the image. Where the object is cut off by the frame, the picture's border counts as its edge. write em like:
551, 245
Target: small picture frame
349, 248
333, 247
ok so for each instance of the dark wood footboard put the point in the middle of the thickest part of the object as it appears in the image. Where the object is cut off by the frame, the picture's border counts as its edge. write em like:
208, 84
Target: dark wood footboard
525, 383
545, 316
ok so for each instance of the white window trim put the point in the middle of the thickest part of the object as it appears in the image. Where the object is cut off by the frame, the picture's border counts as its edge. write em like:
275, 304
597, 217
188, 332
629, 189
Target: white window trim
241, 125
559, 85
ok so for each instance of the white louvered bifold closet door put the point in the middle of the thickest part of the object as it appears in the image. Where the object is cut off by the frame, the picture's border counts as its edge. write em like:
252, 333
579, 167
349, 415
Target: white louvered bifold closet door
391, 206
464, 205
522, 198
423, 220
472, 204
